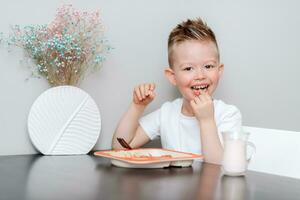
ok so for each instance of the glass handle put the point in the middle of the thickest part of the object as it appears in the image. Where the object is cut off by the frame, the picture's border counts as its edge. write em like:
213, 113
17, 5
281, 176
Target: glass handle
253, 151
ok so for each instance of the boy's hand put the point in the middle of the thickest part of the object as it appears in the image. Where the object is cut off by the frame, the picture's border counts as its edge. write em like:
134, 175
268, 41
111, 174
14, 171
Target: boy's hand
203, 107
143, 94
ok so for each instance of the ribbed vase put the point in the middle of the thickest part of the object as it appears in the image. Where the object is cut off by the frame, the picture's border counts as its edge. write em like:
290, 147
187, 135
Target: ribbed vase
64, 120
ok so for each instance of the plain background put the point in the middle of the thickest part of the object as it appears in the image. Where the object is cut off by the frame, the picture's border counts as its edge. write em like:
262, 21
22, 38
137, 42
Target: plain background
259, 45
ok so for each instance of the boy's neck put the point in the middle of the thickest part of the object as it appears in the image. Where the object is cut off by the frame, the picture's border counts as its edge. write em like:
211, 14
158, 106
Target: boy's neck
186, 109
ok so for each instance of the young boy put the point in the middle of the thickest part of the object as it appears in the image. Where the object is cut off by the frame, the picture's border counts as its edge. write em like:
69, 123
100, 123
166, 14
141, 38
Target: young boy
193, 123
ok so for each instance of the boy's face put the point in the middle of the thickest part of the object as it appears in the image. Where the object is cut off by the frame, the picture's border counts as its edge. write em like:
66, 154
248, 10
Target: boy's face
195, 68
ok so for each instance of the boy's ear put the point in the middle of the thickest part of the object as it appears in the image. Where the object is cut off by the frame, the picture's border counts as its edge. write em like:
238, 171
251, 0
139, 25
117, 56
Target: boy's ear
170, 75
221, 69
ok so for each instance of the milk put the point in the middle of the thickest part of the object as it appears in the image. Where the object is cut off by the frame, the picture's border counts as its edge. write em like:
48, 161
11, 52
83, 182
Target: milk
234, 157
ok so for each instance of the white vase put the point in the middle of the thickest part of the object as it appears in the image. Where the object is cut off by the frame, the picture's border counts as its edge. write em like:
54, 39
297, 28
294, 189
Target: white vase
64, 120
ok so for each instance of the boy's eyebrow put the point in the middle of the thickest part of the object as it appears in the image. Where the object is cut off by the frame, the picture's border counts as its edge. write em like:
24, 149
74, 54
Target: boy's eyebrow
186, 63
212, 60
190, 63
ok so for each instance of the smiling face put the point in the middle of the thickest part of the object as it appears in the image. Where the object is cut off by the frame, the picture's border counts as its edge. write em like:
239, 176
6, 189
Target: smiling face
195, 68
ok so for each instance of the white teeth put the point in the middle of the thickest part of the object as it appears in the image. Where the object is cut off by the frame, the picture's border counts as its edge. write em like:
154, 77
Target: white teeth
198, 87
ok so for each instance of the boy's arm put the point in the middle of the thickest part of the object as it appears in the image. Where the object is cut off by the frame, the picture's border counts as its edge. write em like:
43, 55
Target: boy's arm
212, 149
211, 146
128, 128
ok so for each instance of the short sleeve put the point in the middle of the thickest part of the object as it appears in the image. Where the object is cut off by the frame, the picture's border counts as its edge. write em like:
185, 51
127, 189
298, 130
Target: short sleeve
231, 119
151, 124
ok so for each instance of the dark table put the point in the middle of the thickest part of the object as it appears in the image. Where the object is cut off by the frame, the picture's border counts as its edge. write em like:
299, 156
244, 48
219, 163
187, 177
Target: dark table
87, 177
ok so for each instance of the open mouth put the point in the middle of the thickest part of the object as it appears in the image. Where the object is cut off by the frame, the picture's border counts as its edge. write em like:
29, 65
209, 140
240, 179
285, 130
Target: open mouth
198, 89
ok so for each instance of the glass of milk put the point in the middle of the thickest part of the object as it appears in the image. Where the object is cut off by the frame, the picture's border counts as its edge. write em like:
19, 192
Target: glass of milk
235, 159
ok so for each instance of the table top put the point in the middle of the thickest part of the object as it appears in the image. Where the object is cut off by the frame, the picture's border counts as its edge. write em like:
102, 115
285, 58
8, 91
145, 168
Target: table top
88, 177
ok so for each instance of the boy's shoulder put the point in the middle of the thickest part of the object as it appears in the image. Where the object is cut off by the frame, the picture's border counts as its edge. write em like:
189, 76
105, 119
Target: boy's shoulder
222, 108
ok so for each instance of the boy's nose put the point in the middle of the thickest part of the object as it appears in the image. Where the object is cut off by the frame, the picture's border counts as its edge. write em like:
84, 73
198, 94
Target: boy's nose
199, 73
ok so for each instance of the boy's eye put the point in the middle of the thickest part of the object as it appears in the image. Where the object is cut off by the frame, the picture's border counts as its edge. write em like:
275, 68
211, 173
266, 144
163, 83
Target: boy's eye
187, 68
209, 67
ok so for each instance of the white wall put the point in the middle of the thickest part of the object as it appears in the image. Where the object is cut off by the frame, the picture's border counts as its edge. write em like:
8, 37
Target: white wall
259, 44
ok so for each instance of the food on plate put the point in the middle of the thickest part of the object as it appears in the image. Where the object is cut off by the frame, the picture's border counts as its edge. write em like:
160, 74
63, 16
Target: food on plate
148, 157
141, 155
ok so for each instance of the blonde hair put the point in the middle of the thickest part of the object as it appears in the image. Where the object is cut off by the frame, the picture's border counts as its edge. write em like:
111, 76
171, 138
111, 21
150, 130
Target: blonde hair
190, 30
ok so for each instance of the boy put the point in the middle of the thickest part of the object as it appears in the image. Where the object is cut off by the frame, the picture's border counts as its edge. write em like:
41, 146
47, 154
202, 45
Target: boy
194, 122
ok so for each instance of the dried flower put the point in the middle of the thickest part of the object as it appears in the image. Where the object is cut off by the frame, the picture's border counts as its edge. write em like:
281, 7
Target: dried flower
66, 49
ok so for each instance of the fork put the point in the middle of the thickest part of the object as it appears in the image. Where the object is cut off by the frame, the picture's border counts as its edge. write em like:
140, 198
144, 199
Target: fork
123, 143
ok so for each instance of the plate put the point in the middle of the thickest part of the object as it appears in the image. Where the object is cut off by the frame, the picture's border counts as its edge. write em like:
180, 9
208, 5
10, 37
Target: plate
149, 158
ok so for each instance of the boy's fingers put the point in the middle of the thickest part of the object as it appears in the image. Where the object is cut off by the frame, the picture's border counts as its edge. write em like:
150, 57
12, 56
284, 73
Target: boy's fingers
147, 89
201, 97
197, 99
135, 98
138, 93
206, 95
152, 95
152, 86
142, 90
193, 103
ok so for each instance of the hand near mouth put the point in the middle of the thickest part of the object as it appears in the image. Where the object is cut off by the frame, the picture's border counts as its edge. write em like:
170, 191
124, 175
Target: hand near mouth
203, 106
199, 89
143, 94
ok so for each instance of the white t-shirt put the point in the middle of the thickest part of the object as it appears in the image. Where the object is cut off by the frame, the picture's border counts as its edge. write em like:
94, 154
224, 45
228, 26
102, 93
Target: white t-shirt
182, 133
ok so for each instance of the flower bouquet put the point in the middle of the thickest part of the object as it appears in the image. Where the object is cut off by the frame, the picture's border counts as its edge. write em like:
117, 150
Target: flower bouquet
63, 120
66, 49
